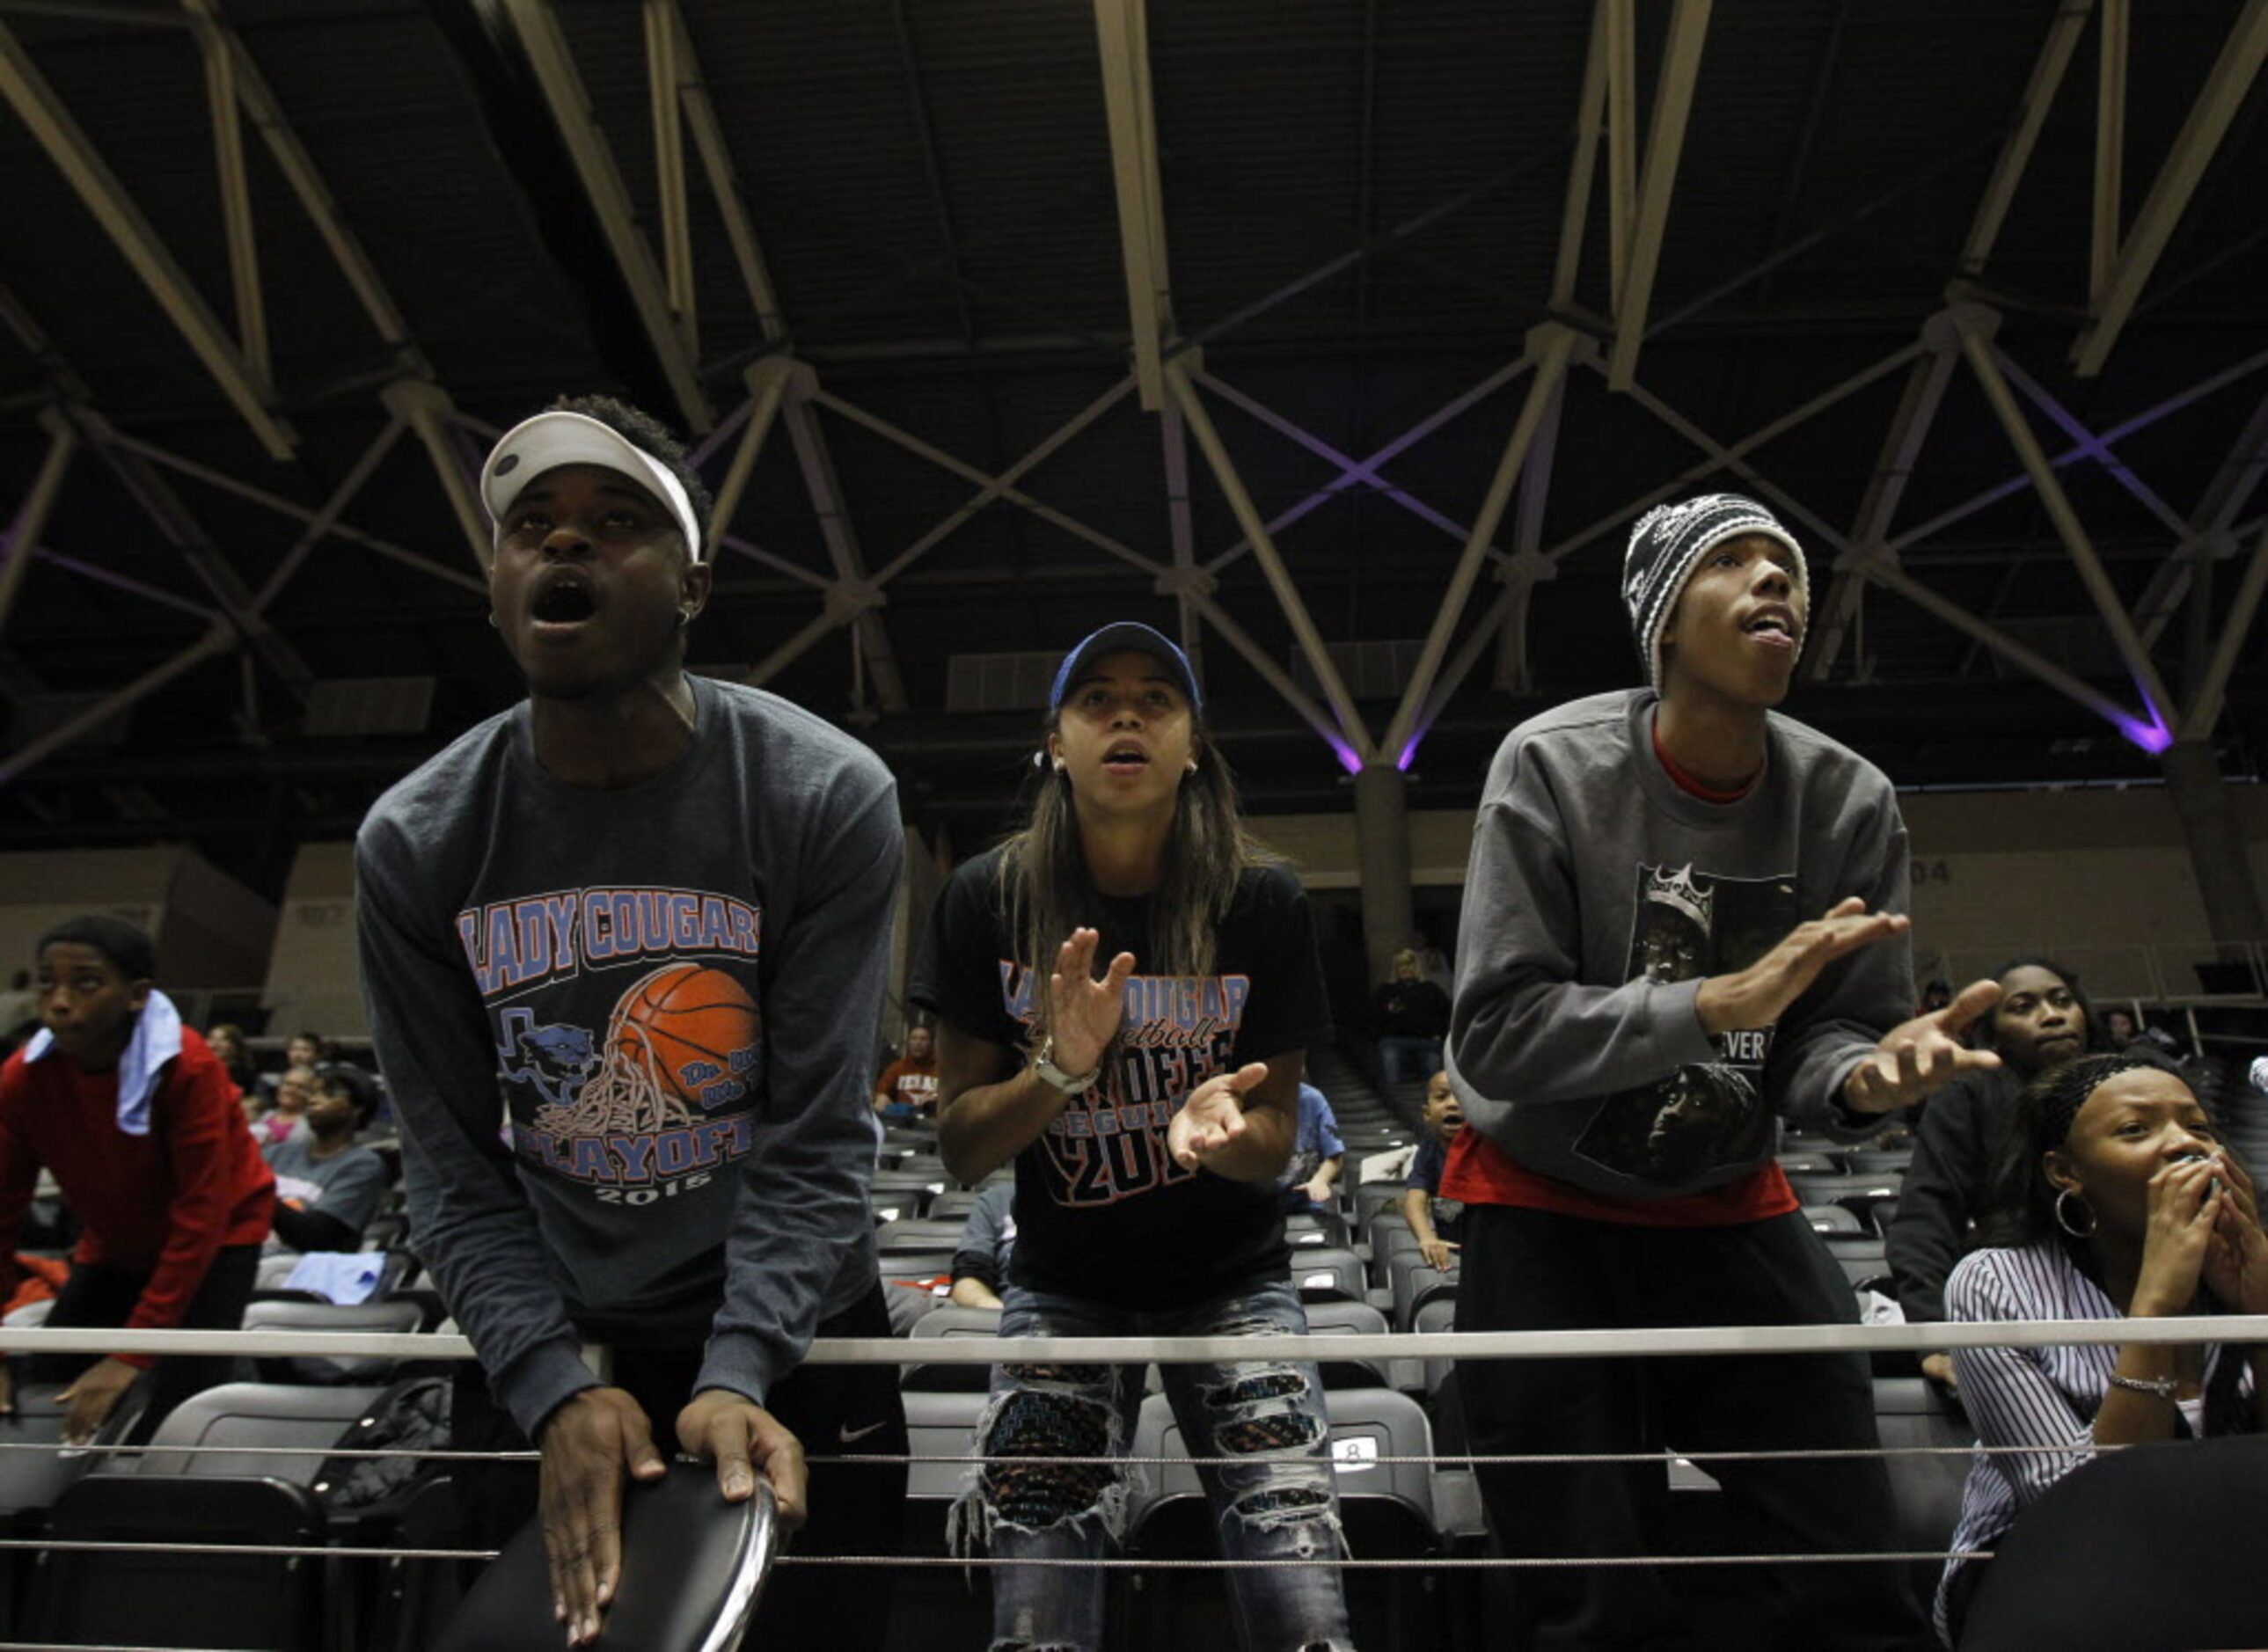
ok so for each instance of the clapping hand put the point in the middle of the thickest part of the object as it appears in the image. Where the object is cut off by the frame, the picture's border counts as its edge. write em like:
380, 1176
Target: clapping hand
2237, 1255
1083, 1012
1212, 1117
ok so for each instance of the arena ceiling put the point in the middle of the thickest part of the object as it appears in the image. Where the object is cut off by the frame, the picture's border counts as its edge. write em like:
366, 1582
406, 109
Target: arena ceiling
1344, 337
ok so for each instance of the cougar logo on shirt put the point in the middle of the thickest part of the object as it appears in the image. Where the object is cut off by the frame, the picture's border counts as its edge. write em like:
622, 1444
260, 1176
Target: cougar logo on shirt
664, 1093
1176, 1032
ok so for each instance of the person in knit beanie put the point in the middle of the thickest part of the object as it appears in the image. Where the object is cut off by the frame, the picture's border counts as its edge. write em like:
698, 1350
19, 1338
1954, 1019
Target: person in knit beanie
1683, 924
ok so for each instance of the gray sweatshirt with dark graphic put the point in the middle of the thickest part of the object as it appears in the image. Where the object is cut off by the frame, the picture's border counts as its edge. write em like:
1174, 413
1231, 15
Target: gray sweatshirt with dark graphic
1600, 895
628, 1034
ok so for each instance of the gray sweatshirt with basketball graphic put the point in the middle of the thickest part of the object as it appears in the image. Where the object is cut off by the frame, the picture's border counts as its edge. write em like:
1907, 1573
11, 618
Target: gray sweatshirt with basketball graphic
628, 1035
1599, 896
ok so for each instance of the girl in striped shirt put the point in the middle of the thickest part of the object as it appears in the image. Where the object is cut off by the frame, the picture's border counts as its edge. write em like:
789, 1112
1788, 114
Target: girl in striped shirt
2120, 1202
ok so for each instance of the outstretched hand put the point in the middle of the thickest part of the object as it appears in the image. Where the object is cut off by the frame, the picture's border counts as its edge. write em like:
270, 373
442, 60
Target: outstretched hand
1919, 1056
1214, 1116
1083, 1010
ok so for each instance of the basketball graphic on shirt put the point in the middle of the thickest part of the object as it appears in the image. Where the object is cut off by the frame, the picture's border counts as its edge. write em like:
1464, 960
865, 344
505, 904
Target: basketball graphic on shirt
689, 1025
682, 1042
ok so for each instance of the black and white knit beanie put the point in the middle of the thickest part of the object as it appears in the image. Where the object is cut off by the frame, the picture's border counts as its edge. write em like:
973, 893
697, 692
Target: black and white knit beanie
1666, 544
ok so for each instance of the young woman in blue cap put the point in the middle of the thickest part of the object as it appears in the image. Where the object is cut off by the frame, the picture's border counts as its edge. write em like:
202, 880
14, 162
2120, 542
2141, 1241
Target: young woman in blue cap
1125, 989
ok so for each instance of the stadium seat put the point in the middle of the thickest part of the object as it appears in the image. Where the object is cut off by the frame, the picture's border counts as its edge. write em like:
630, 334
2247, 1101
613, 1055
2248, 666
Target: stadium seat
1811, 1163
936, 1607
309, 1419
1879, 1161
1855, 1194
900, 1205
416, 1599
1349, 1319
953, 1204
951, 1320
1439, 1314
1387, 1510
1384, 1216
32, 1480
1927, 1490
1306, 1228
910, 1233
919, 1186
1371, 1197
1414, 1283
155, 1598
1329, 1271
1388, 1240
692, 1566
941, 1427
2151, 1549
399, 1316
1825, 1219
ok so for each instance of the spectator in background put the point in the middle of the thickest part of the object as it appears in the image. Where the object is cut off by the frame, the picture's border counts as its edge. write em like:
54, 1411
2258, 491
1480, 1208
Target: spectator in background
326, 1188
1434, 1219
1408, 1014
2119, 1029
2117, 1200
141, 1128
307, 1050
1434, 965
295, 1088
1936, 993
2042, 1020
988, 1239
908, 1086
225, 1040
1310, 1177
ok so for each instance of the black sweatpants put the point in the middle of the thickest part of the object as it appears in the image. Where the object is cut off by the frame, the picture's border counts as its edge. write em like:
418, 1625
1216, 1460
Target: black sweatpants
1532, 1270
97, 1295
834, 1411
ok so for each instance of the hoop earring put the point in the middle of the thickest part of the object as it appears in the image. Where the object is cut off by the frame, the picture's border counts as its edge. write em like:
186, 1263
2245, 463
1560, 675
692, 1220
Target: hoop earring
2063, 1214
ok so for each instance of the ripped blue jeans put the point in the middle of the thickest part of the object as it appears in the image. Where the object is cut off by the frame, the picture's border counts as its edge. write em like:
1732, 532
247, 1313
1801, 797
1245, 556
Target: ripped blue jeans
1258, 1429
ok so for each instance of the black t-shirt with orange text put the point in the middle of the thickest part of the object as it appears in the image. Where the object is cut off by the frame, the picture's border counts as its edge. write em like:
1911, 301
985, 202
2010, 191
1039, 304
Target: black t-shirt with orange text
1103, 1212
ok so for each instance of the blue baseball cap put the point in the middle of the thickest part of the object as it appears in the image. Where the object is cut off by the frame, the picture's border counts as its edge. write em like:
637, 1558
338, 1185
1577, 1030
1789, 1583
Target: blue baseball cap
1127, 633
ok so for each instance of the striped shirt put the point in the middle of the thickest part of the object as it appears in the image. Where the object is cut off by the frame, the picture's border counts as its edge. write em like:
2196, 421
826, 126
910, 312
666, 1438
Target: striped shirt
2042, 1398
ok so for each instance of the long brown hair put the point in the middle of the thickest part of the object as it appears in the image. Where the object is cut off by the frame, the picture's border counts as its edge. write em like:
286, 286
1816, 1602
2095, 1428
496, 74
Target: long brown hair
1046, 890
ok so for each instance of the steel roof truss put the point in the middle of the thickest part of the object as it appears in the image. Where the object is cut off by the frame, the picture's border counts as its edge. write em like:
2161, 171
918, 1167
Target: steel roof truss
74, 154
2225, 86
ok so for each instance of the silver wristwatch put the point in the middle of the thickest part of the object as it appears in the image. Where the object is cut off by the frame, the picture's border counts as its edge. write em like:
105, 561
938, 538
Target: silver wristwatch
1043, 1064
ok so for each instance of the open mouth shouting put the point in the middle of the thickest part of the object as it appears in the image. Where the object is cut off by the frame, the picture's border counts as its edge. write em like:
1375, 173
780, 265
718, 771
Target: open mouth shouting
1773, 624
1124, 758
564, 601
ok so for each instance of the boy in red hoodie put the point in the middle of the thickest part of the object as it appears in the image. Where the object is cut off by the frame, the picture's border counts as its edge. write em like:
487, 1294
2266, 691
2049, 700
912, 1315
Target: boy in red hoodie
138, 1119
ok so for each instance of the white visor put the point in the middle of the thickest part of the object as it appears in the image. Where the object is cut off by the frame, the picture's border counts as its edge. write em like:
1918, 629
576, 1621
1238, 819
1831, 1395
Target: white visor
550, 440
